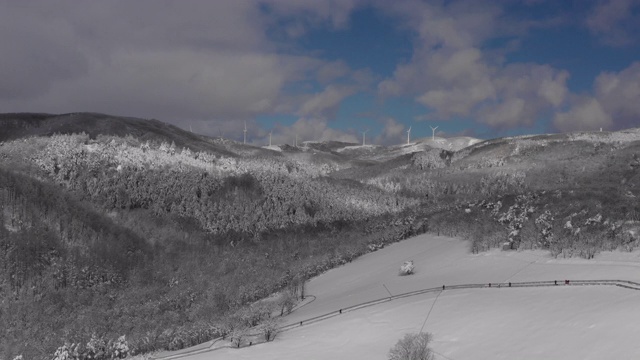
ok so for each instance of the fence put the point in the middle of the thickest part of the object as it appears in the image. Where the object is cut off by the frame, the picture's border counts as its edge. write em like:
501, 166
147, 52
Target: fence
499, 285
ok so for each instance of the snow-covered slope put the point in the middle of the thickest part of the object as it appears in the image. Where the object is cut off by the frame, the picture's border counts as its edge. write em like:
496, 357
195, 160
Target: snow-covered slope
531, 323
452, 144
552, 323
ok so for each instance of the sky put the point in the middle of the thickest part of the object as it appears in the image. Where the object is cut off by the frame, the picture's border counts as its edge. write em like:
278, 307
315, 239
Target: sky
329, 69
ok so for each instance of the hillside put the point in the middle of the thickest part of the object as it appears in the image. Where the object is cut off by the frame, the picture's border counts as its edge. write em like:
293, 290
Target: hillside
111, 220
24, 125
451, 144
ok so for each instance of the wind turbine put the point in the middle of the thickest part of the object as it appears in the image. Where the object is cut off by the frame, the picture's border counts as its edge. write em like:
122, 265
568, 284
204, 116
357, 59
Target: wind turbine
364, 134
433, 132
296, 140
245, 133
270, 132
409, 135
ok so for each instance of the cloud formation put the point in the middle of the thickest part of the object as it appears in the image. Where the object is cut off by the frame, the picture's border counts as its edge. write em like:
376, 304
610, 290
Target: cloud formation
392, 133
217, 64
614, 104
452, 75
586, 114
614, 21
325, 103
210, 59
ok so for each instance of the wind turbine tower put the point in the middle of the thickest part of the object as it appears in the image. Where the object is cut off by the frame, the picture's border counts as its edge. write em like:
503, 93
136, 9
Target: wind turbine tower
245, 133
270, 132
409, 135
433, 132
364, 136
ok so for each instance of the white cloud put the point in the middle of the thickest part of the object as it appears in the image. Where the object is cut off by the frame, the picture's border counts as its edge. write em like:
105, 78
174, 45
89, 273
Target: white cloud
614, 21
313, 12
393, 133
451, 75
331, 71
619, 94
525, 92
324, 104
455, 24
169, 84
586, 114
613, 105
209, 60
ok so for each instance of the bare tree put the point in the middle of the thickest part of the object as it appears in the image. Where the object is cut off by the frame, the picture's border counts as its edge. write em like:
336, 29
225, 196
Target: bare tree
287, 302
269, 329
412, 347
238, 335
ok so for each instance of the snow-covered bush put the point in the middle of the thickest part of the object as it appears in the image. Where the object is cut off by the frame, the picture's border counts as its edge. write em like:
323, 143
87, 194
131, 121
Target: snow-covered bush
96, 348
120, 348
407, 268
375, 247
597, 219
63, 353
412, 347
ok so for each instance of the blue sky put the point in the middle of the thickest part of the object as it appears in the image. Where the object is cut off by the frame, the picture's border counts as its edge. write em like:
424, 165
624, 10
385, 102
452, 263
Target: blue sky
329, 69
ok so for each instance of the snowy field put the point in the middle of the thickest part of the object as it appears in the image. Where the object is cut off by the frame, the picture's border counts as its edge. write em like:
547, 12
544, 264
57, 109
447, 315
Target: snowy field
565, 322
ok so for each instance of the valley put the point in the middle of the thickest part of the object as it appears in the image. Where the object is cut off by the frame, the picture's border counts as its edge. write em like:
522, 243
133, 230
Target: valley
117, 226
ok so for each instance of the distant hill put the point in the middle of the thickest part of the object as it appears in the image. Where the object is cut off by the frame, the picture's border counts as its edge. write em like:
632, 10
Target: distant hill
21, 125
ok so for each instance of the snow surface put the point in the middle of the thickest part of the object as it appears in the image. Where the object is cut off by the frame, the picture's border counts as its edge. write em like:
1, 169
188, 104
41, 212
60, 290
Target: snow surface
358, 147
453, 144
273, 147
565, 322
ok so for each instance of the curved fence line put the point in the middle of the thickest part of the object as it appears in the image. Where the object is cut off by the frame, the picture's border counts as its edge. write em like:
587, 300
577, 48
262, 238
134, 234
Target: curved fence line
499, 285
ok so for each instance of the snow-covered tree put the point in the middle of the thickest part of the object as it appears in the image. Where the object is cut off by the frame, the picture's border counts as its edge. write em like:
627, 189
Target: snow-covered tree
120, 348
238, 335
63, 353
269, 329
407, 268
287, 303
412, 347
96, 348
